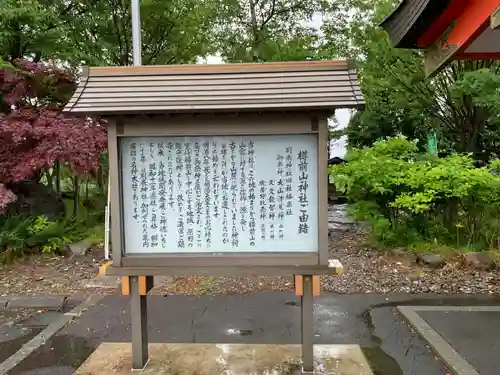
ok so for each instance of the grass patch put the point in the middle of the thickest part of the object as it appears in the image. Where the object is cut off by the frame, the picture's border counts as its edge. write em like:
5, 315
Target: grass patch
208, 286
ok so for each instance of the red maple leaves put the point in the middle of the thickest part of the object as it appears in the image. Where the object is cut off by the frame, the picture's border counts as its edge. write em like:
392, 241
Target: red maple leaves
33, 132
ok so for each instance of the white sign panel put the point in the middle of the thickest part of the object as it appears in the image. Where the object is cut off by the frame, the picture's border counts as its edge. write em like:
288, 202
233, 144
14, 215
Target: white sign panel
220, 194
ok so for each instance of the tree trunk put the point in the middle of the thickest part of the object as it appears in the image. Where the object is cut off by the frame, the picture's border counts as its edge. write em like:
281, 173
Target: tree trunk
50, 178
87, 190
100, 180
76, 197
57, 172
255, 33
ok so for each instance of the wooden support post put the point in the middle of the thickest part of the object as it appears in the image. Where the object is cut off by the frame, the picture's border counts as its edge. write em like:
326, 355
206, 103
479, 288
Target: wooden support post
146, 283
299, 290
307, 324
139, 323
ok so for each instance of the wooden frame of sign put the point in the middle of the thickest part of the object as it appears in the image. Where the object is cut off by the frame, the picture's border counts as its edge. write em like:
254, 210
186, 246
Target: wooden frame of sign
218, 170
190, 134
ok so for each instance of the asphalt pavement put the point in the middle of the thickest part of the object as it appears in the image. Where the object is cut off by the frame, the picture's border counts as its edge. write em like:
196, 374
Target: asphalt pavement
374, 322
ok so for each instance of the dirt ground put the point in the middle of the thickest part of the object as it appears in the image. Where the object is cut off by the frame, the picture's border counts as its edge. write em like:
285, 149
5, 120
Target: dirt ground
49, 274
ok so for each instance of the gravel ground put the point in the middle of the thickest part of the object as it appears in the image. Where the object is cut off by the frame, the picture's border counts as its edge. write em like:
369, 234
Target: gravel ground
366, 271
49, 275
371, 271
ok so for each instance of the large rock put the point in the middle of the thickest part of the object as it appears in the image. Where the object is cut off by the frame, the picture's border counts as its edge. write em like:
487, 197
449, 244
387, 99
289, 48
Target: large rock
481, 260
336, 228
431, 260
80, 247
35, 199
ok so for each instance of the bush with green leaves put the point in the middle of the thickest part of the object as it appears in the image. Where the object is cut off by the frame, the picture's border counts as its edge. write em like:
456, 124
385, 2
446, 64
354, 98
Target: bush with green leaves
409, 197
32, 234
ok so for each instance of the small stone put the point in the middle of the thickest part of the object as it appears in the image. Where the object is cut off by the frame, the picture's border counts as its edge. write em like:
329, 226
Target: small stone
417, 275
431, 260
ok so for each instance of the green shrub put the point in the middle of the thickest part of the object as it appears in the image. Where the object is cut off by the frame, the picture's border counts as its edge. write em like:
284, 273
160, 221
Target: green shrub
20, 234
409, 197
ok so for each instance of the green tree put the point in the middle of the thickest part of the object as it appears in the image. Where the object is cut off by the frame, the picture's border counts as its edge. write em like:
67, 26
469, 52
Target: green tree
98, 32
173, 32
399, 99
38, 29
267, 30
483, 87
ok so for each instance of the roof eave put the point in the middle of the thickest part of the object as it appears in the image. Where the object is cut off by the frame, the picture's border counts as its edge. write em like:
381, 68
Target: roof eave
353, 97
406, 25
92, 112
387, 20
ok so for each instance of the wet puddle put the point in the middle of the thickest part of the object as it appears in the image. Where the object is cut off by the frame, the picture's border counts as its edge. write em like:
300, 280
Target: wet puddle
395, 347
14, 333
61, 355
12, 338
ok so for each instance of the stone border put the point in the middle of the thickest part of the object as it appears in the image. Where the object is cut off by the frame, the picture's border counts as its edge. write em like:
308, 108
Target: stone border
46, 334
58, 303
455, 362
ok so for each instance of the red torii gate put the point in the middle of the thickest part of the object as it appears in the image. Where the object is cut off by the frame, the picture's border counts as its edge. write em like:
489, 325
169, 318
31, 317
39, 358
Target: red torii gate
446, 30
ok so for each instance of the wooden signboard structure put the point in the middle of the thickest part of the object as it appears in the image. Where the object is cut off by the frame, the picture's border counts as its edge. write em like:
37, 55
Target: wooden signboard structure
218, 170
447, 30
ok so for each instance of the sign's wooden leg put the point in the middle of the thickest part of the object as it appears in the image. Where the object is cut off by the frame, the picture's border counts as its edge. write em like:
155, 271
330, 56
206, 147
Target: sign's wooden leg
307, 324
139, 323
315, 284
146, 283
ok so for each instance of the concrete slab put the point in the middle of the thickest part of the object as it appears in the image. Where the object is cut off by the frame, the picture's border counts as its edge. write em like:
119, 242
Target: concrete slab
13, 338
39, 319
228, 359
465, 337
103, 282
41, 338
34, 302
463, 330
114, 282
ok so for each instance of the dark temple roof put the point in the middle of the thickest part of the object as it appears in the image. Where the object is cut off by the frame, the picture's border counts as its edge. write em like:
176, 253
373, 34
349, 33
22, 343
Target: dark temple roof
411, 19
302, 85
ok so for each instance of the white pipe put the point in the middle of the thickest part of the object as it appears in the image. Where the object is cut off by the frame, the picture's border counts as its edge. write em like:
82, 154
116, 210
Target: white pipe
136, 32
137, 60
107, 221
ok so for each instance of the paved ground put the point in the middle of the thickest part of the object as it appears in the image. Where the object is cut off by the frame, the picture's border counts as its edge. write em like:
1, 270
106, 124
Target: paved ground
473, 334
371, 321
216, 359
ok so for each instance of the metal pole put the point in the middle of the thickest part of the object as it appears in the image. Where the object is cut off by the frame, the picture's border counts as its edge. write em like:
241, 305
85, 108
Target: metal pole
307, 325
138, 303
136, 32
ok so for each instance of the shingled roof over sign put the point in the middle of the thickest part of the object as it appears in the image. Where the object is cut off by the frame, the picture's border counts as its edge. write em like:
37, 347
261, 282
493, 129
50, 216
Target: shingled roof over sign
411, 19
324, 85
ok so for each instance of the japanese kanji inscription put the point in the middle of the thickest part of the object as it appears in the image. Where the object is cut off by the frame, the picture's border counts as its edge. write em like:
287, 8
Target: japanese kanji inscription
220, 194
